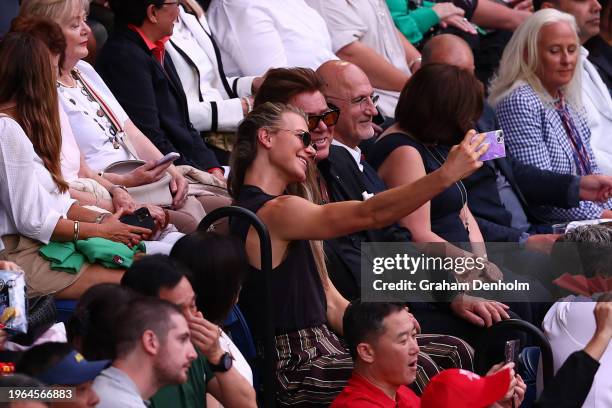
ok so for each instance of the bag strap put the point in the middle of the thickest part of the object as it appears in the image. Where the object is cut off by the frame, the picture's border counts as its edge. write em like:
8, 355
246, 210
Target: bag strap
107, 111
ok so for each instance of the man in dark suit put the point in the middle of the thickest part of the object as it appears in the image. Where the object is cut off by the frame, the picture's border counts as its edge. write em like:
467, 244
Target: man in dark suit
501, 193
134, 65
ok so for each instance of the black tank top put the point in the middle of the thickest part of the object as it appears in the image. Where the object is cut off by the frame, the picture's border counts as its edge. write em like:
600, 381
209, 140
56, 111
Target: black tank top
298, 295
445, 207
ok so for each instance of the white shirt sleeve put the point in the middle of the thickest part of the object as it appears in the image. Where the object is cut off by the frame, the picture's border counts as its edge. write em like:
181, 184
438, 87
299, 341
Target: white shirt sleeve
343, 23
259, 44
30, 209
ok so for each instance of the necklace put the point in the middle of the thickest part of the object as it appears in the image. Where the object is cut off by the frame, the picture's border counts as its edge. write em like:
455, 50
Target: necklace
100, 117
459, 184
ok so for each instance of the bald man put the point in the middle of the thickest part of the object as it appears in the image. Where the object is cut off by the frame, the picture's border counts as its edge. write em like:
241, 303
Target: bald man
348, 88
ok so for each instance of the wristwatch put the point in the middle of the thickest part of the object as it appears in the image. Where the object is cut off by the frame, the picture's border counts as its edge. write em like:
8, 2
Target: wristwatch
224, 364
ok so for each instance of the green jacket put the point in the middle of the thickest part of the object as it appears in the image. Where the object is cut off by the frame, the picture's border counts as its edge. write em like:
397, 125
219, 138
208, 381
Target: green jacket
413, 23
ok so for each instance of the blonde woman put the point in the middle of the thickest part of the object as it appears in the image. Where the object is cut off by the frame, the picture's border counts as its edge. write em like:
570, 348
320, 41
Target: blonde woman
536, 95
103, 132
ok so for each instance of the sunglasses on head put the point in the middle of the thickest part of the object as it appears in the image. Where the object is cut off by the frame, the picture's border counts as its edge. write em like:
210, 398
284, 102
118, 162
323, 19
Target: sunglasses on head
330, 118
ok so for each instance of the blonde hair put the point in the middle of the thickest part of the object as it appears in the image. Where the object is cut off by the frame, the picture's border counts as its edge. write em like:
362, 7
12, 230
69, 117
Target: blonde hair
60, 11
520, 60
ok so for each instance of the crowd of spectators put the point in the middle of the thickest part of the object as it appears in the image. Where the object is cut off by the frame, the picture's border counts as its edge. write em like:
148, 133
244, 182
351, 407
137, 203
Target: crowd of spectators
341, 124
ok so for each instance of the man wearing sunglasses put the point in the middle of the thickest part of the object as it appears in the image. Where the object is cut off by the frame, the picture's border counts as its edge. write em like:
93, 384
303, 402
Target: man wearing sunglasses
301, 87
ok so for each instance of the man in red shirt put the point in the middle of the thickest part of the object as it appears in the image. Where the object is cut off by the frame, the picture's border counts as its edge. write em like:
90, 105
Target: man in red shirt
381, 338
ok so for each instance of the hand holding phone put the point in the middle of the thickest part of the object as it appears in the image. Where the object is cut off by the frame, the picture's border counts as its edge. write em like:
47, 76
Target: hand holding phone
170, 157
511, 351
139, 218
495, 140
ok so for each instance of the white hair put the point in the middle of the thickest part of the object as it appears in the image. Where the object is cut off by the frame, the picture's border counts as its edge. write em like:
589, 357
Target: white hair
520, 60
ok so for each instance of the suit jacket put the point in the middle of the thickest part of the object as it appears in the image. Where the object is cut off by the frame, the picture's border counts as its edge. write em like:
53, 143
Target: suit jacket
153, 97
345, 182
535, 135
598, 108
531, 185
207, 110
600, 54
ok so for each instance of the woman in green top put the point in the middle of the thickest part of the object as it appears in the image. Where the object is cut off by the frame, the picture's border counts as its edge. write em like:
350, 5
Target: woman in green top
414, 24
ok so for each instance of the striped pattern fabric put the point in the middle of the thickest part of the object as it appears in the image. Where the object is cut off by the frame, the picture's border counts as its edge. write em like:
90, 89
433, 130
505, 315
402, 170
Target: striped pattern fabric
438, 352
313, 365
534, 133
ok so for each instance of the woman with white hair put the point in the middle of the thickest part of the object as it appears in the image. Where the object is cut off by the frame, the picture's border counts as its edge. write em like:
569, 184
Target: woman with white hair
536, 95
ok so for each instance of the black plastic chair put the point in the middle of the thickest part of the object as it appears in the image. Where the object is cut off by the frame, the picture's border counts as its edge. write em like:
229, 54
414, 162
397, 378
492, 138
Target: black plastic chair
269, 387
514, 325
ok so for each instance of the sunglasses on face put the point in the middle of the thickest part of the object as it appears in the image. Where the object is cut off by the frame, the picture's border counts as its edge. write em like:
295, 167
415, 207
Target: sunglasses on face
330, 118
304, 136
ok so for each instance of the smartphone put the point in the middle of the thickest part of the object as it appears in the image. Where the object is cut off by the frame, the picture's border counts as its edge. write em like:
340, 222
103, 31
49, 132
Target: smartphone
139, 218
170, 157
495, 139
511, 351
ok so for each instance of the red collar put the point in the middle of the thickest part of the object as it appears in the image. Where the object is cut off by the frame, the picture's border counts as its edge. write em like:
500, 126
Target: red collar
157, 48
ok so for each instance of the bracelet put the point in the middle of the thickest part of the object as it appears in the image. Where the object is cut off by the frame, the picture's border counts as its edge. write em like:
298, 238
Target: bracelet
414, 61
75, 235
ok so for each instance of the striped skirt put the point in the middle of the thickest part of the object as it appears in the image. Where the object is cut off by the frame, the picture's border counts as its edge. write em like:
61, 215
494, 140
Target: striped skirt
313, 365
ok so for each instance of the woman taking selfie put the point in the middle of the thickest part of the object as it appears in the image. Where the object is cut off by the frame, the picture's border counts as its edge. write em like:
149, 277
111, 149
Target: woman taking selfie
273, 152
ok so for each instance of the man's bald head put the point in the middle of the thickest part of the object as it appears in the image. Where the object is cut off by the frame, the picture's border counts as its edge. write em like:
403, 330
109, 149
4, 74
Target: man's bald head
448, 49
337, 76
348, 87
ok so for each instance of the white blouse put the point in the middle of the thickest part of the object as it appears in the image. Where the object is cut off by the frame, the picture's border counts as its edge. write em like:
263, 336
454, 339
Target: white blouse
30, 201
91, 131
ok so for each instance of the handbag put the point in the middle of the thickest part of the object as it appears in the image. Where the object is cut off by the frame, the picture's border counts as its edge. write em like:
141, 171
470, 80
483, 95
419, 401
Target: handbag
156, 193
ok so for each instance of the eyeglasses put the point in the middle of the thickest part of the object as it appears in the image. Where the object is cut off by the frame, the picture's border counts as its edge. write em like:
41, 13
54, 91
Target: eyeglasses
304, 135
330, 118
362, 101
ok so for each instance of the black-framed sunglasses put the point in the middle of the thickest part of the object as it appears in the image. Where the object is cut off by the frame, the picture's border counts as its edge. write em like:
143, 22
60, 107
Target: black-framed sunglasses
329, 117
304, 135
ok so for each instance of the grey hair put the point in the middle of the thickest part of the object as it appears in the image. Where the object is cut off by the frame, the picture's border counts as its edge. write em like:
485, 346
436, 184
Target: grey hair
592, 234
520, 61
60, 11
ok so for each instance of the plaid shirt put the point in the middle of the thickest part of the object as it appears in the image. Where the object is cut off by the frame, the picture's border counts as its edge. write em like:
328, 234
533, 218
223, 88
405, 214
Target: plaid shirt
535, 135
